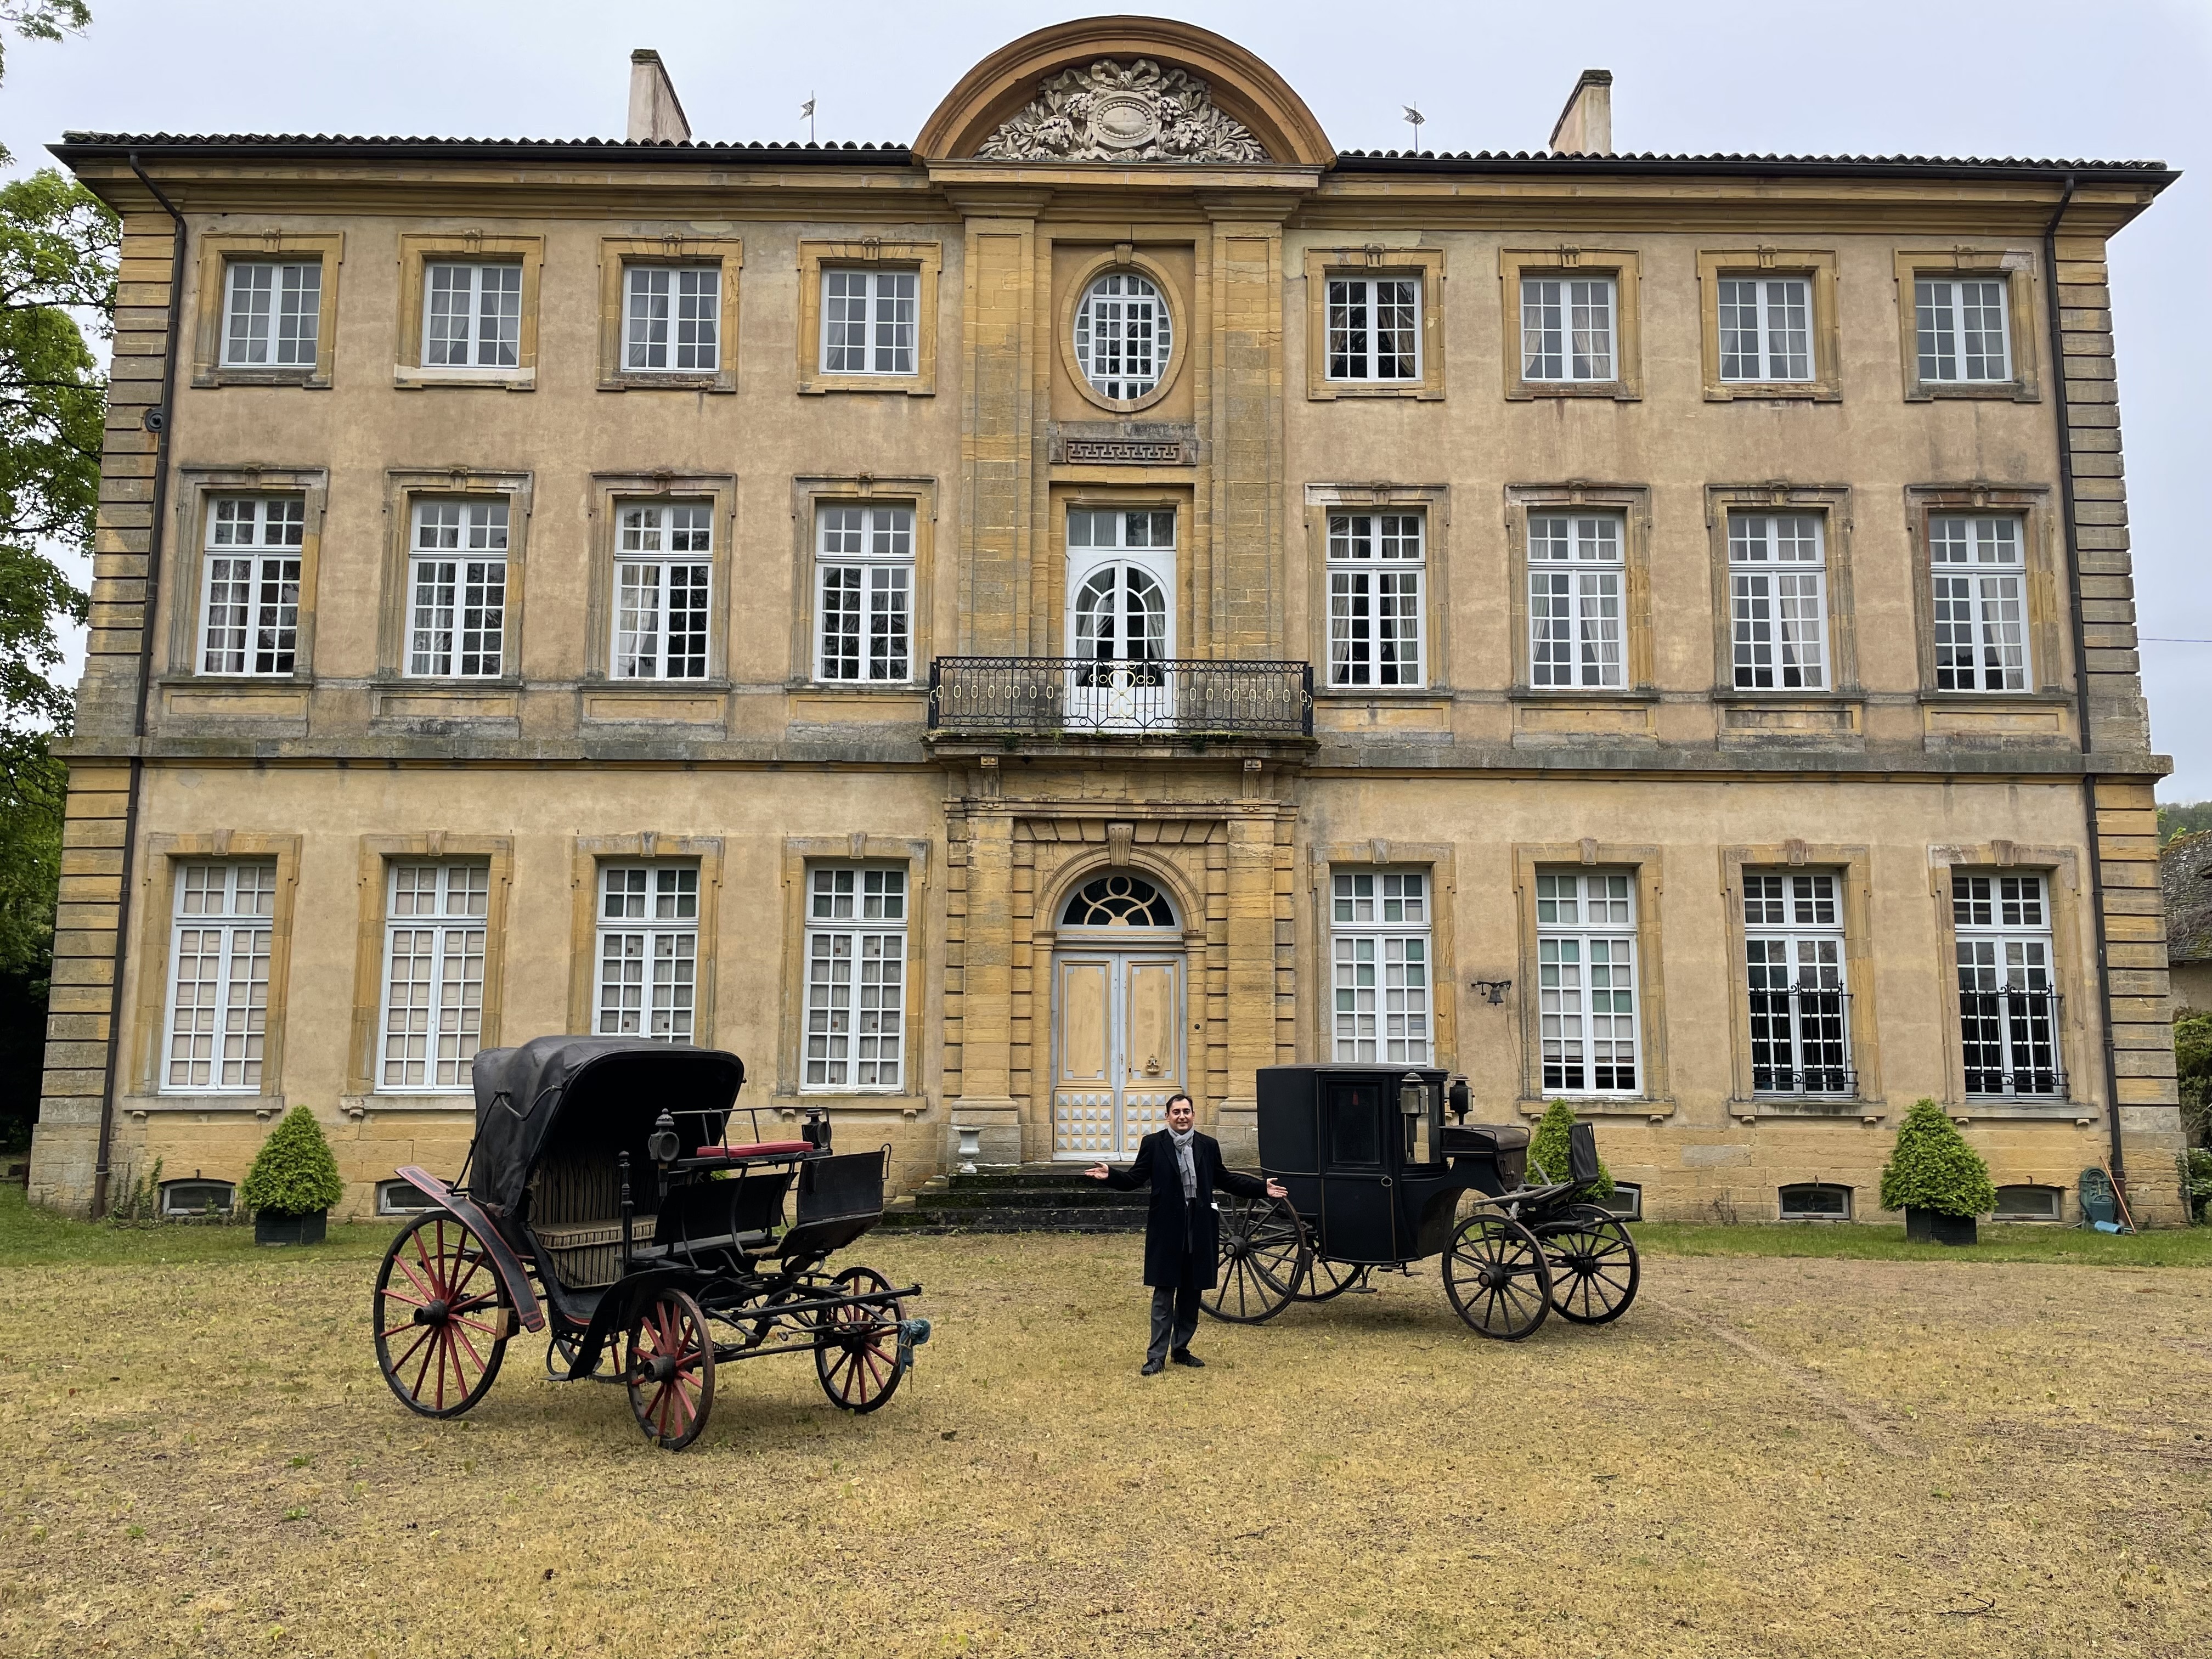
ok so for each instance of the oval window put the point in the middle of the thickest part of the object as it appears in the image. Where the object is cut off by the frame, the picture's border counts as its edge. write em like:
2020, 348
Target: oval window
1122, 337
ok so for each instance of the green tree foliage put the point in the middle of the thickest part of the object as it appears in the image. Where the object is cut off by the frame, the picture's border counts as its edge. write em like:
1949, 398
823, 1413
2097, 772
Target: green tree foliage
294, 1173
1548, 1149
2192, 1059
1932, 1168
2185, 818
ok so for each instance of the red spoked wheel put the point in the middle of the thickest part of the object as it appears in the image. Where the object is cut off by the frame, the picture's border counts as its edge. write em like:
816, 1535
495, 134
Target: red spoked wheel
442, 1316
668, 1363
856, 1353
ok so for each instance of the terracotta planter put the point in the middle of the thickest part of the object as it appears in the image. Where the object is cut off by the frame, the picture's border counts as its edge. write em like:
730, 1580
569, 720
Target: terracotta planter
1934, 1227
269, 1228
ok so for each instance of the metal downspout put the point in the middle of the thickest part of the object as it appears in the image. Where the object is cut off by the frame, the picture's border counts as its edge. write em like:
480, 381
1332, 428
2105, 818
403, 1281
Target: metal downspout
157, 420
2082, 677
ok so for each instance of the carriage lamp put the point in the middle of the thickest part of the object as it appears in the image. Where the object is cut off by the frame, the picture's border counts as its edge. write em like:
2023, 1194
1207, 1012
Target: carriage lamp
662, 1145
1460, 1098
1412, 1094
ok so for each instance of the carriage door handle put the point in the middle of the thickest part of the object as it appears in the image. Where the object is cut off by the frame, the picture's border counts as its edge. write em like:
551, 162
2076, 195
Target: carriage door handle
1386, 1180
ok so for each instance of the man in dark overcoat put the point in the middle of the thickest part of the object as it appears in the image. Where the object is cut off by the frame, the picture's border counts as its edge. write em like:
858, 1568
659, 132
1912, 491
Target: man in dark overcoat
1182, 1235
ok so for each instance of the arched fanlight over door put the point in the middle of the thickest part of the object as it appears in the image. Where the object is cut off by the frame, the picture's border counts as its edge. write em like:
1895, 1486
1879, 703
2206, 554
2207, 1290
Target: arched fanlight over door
1117, 899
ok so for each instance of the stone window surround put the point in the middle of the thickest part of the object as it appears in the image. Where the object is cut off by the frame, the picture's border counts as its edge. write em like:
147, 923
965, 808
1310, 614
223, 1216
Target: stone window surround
1832, 504
198, 485
417, 251
1433, 503
589, 853
1634, 503
1646, 864
2041, 557
216, 251
1183, 324
810, 494
401, 486
1818, 267
1426, 263
1439, 859
925, 258
2015, 267
1624, 265
1853, 870
610, 492
616, 255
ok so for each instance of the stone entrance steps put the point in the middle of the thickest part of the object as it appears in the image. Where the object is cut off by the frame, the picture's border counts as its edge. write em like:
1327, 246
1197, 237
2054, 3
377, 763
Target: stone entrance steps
1029, 1198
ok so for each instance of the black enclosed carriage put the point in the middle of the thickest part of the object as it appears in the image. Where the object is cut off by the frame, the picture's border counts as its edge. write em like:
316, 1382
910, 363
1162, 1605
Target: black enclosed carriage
603, 1173
1379, 1175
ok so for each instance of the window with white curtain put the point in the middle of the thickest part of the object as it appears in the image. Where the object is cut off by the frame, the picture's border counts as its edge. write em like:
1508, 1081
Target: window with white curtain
1123, 335
1377, 568
648, 951
1778, 601
1567, 328
1586, 983
457, 590
1766, 328
1578, 570
863, 593
664, 580
1793, 947
856, 922
471, 315
1374, 328
1379, 941
672, 318
272, 313
868, 321
1978, 578
219, 950
2008, 1000
1962, 329
433, 976
250, 596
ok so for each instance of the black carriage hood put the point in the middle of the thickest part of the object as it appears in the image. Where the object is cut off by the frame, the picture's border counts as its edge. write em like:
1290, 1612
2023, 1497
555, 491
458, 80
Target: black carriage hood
623, 1084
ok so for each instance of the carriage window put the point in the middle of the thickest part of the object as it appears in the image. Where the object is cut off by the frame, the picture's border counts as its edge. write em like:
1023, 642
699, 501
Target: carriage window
1355, 1124
2008, 997
856, 920
434, 974
649, 951
219, 978
1379, 922
1793, 950
1815, 1201
1586, 981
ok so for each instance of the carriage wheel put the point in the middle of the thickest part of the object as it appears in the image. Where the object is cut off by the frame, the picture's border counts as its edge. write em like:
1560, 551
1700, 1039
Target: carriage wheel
1262, 1261
668, 1362
1327, 1280
1594, 1265
442, 1316
856, 1356
1496, 1278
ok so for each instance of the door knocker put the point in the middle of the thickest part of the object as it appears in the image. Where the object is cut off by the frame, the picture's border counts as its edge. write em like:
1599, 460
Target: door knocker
1152, 1066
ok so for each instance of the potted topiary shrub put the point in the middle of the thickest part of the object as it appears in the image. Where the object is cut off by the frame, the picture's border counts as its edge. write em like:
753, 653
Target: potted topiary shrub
293, 1183
1547, 1148
1935, 1178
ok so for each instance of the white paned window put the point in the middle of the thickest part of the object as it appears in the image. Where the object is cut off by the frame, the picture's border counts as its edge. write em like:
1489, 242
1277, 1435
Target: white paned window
471, 315
457, 590
1963, 333
664, 579
856, 921
649, 977
672, 318
272, 313
1979, 573
1793, 948
433, 976
1374, 328
1577, 567
2008, 986
1379, 936
1586, 983
1376, 569
1766, 329
863, 593
250, 601
868, 320
1778, 601
1122, 335
219, 947
1567, 328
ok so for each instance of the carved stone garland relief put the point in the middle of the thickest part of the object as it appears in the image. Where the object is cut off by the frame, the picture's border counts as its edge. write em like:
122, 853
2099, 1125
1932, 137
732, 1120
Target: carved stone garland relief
1113, 112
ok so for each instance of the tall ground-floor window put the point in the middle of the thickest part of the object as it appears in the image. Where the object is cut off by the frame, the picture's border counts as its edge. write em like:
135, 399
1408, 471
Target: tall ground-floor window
1379, 944
2007, 990
649, 951
1586, 983
219, 947
856, 920
1793, 951
434, 974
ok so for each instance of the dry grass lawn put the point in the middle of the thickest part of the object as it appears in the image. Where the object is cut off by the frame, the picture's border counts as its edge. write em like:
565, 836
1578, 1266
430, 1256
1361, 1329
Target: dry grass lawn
1767, 1456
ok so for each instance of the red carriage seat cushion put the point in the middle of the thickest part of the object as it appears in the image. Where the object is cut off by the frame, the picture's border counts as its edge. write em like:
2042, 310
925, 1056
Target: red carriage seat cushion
757, 1149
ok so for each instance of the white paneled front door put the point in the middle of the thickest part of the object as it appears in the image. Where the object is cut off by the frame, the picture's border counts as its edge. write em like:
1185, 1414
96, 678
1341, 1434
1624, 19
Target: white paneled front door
1117, 1050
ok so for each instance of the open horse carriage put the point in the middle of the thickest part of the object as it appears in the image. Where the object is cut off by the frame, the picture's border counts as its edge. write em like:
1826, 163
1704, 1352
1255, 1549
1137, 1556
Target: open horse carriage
1378, 1178
602, 1174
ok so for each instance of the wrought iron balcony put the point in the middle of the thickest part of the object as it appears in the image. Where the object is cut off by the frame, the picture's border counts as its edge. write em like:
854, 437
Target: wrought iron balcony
1078, 696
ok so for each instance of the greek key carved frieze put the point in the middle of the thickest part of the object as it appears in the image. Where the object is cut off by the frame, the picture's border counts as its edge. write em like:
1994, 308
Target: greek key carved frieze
1122, 113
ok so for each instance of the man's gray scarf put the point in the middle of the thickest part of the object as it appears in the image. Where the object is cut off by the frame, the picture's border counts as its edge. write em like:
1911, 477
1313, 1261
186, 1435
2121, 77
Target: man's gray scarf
1182, 1138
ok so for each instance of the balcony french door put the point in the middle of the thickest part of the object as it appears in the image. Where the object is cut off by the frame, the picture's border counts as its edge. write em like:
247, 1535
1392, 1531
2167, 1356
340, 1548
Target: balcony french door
1120, 627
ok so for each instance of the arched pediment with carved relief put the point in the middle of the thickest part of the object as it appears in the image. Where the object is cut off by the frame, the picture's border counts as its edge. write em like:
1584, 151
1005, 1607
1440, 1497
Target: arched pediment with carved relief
1132, 112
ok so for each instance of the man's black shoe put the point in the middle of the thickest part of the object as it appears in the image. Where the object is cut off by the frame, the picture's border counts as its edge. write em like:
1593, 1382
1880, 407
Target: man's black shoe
1151, 1368
1185, 1357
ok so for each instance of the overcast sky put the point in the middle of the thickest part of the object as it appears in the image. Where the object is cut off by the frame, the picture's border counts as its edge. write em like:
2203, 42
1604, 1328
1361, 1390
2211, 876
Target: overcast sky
2118, 79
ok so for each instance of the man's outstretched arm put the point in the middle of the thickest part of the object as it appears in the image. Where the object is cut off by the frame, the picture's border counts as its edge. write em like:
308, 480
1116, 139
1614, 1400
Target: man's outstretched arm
1236, 1181
1138, 1174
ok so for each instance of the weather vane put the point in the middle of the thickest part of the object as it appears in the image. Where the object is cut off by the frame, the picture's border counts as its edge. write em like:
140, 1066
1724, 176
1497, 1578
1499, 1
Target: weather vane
807, 110
1416, 120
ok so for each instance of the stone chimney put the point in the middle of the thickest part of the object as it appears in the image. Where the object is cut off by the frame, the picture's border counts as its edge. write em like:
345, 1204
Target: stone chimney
654, 113
1584, 126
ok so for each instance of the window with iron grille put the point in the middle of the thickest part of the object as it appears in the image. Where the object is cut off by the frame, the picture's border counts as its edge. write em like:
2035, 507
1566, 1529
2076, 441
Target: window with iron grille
1793, 950
868, 321
1376, 571
856, 921
1374, 328
1586, 981
2008, 997
1778, 601
664, 580
1766, 324
471, 315
1978, 581
1567, 328
1379, 938
456, 588
1123, 337
648, 951
863, 593
672, 318
1577, 567
250, 603
219, 947
1962, 329
273, 313
433, 976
